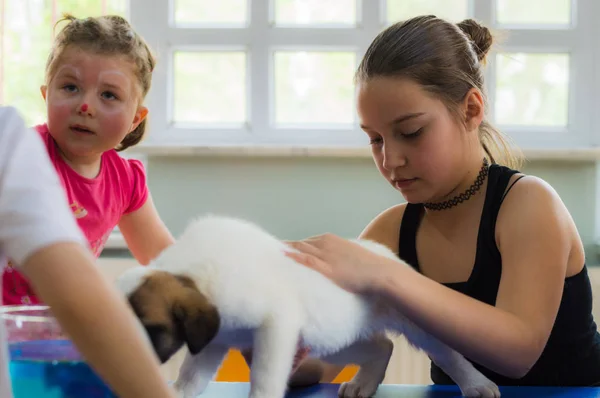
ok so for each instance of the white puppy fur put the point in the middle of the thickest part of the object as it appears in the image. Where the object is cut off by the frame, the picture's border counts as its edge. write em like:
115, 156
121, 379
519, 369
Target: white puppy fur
267, 302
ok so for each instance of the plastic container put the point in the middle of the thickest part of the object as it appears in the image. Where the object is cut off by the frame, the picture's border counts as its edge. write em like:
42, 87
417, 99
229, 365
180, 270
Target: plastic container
44, 363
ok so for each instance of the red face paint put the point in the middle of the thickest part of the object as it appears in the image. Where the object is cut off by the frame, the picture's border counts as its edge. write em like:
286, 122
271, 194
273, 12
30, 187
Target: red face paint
84, 108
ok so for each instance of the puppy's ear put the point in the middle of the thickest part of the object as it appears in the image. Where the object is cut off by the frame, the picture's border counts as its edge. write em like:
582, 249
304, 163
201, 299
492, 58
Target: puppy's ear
197, 319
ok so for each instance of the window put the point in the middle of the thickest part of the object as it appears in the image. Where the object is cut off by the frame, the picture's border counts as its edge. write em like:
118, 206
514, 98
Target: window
245, 72
280, 71
532, 89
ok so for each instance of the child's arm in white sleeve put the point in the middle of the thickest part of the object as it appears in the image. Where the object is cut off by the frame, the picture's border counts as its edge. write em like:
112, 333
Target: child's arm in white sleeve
38, 231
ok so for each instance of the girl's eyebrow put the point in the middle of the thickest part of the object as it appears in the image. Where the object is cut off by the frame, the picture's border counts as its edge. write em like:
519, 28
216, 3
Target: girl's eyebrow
406, 117
121, 80
112, 86
68, 71
400, 119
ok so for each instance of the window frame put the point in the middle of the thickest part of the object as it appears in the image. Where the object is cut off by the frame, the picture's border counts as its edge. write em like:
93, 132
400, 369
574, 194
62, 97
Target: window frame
260, 37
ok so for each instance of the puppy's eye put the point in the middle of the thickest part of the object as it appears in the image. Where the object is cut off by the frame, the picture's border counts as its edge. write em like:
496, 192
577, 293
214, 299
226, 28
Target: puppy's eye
156, 329
164, 342
157, 334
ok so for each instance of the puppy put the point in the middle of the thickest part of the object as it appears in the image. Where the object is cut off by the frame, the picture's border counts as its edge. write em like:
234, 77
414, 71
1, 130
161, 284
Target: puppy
227, 283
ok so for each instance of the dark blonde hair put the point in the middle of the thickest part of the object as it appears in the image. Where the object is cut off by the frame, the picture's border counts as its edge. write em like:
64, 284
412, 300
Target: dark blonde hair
108, 35
447, 60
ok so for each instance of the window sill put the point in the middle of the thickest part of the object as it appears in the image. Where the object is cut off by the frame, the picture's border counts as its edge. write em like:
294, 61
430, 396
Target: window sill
532, 154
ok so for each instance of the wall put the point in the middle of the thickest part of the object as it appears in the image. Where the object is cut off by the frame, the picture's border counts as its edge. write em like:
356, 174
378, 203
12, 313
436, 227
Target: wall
302, 196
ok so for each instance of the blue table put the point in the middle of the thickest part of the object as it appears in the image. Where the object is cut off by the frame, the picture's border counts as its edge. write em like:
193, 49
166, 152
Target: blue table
240, 390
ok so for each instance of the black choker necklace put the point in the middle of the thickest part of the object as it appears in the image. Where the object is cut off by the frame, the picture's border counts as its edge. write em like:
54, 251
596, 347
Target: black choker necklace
463, 196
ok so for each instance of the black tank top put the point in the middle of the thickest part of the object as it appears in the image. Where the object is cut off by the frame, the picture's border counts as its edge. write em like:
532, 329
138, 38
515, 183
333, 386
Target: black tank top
572, 355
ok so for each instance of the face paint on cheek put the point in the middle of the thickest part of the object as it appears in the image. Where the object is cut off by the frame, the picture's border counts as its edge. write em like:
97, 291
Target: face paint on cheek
116, 118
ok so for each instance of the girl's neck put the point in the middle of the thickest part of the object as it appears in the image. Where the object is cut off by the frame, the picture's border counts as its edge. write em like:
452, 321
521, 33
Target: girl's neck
466, 208
85, 166
453, 217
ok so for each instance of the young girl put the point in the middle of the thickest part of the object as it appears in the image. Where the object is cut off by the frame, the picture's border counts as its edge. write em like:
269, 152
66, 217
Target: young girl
499, 268
97, 75
39, 233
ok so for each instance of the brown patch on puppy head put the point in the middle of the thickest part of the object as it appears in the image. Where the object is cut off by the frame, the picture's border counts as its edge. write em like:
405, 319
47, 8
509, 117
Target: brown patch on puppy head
174, 312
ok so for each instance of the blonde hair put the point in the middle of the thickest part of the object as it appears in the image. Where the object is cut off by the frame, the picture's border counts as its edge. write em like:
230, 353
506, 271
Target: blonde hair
447, 60
107, 35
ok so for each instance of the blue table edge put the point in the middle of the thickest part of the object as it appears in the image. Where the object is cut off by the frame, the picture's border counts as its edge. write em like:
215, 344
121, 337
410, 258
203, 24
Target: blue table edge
240, 389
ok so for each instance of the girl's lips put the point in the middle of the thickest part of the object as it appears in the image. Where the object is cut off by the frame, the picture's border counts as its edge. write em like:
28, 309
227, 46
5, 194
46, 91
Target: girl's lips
80, 129
404, 183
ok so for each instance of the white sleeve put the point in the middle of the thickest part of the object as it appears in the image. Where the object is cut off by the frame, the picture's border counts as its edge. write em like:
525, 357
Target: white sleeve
34, 212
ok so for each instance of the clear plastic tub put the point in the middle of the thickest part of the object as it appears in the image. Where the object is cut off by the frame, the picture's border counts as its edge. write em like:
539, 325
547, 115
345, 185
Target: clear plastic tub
44, 363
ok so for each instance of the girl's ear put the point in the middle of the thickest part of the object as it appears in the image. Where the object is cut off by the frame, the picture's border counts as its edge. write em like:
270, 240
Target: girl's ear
474, 109
44, 90
139, 117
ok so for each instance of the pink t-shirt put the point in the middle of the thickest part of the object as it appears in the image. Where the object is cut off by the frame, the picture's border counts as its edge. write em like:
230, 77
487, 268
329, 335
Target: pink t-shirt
97, 204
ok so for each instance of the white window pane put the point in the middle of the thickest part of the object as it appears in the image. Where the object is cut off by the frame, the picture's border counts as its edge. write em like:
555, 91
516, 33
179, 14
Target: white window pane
532, 89
119, 7
27, 40
533, 12
314, 87
90, 8
452, 10
315, 12
211, 12
210, 87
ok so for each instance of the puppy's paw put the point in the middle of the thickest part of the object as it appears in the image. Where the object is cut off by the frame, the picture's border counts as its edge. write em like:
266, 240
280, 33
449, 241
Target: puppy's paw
187, 394
354, 390
482, 392
261, 394
367, 380
480, 387
361, 386
188, 390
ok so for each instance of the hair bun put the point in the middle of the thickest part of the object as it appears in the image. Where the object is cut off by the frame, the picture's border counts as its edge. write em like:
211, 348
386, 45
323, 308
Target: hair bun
479, 35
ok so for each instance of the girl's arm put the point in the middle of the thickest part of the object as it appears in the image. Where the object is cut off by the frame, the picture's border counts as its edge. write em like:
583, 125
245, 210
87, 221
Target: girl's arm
97, 319
145, 233
536, 237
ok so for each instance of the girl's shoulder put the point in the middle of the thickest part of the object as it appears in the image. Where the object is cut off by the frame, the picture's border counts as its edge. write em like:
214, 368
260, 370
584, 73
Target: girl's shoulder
385, 227
128, 176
